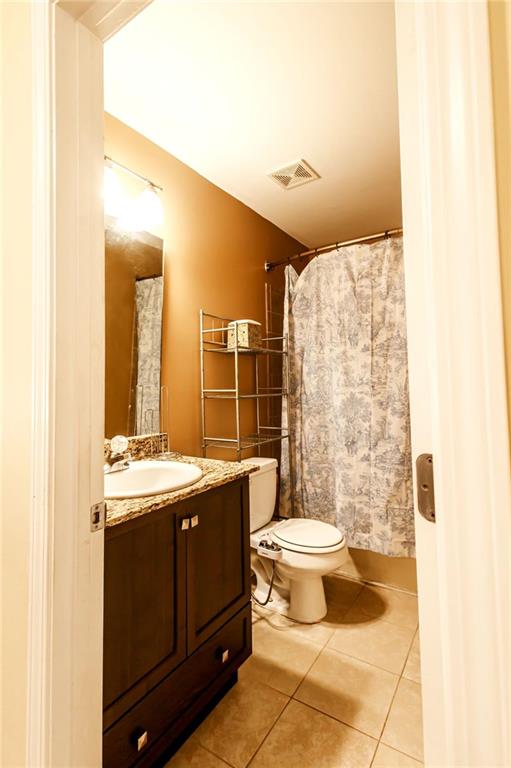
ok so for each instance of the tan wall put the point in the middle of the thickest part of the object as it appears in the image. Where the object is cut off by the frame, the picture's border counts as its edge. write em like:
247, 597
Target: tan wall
16, 349
215, 248
398, 572
500, 39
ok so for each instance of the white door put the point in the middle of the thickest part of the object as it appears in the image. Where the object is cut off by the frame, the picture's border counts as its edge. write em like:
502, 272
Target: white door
457, 377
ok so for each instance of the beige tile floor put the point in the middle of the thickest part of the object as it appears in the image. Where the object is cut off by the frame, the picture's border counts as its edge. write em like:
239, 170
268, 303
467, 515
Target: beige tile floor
344, 693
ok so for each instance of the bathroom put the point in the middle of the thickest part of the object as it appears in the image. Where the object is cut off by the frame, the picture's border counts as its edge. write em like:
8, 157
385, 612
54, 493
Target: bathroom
292, 703
255, 478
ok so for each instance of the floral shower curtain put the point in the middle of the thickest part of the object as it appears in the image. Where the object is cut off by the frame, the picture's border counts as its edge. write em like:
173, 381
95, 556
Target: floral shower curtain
348, 461
149, 302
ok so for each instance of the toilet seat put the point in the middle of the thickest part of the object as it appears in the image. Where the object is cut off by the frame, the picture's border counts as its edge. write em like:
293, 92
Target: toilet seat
308, 536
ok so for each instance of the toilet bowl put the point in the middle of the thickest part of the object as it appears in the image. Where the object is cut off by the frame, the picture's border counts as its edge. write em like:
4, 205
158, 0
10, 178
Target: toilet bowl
298, 552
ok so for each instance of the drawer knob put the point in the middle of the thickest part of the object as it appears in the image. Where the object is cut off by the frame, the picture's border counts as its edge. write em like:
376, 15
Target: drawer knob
194, 521
142, 739
185, 524
225, 656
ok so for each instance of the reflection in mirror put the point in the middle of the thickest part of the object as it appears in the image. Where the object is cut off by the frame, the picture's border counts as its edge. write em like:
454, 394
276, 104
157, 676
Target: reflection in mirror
134, 299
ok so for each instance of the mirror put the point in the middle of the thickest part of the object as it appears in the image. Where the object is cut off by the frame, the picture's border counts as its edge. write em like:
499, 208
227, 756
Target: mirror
133, 317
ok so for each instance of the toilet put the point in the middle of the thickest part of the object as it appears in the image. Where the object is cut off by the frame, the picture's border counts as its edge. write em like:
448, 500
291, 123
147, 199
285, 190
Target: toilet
298, 552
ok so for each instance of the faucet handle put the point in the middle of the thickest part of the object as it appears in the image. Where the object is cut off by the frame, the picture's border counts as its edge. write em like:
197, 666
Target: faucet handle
118, 444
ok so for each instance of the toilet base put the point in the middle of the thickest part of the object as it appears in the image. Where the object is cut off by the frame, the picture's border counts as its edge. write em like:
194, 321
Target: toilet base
307, 604
304, 602
277, 602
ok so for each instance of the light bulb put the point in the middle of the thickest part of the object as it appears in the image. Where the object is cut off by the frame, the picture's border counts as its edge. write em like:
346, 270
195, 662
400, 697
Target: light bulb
128, 217
149, 210
112, 193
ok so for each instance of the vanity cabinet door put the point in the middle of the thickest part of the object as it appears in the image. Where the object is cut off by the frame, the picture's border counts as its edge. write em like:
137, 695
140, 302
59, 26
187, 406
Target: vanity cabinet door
218, 559
145, 602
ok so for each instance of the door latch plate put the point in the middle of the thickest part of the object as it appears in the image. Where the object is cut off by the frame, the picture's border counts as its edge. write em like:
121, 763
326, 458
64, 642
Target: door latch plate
97, 516
425, 486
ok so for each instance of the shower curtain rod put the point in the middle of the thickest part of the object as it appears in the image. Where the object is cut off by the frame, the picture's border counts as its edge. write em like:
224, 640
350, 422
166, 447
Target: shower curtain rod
269, 265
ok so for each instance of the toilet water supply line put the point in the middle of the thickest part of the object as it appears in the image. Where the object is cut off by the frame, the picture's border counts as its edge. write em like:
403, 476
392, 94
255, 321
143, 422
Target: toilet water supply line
259, 602
271, 550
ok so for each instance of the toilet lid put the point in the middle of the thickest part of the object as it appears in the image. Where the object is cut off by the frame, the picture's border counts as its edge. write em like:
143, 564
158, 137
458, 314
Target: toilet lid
300, 535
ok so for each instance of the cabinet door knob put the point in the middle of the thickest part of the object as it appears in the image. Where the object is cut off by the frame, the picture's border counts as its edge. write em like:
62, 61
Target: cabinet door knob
194, 521
225, 656
141, 738
185, 523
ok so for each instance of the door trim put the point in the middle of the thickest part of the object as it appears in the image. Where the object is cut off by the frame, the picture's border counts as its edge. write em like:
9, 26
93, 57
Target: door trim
65, 559
40, 603
453, 271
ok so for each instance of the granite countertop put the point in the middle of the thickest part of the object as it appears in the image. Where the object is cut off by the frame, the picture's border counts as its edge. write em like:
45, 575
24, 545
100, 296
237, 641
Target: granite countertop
215, 474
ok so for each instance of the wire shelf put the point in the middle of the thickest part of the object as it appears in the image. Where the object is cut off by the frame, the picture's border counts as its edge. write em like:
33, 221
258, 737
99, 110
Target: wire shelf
224, 395
245, 442
213, 338
246, 350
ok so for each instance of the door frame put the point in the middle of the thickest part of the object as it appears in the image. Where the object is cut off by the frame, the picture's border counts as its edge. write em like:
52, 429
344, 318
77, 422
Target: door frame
65, 563
450, 229
64, 556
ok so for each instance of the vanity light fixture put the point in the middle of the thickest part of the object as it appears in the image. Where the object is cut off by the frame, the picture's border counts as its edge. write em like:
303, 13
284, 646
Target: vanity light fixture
145, 213
149, 209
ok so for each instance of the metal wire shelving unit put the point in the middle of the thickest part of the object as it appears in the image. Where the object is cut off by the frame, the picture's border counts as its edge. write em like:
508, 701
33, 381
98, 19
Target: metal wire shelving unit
213, 340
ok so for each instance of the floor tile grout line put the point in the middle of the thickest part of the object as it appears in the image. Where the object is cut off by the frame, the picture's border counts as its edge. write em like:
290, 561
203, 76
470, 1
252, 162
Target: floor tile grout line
378, 617
320, 649
222, 759
306, 673
342, 616
292, 697
389, 710
336, 719
378, 584
275, 690
401, 677
362, 661
267, 735
324, 714
215, 754
397, 675
408, 654
302, 637
421, 762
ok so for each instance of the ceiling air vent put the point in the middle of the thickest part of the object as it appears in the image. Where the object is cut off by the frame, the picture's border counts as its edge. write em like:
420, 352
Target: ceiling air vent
294, 175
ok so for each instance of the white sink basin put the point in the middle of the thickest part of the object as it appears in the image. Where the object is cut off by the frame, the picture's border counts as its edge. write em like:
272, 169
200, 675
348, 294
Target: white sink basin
147, 478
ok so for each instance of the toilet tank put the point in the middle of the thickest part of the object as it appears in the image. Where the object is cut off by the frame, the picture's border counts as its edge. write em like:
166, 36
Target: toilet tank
263, 490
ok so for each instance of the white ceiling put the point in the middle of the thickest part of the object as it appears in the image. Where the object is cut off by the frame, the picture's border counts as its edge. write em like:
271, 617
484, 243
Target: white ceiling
236, 90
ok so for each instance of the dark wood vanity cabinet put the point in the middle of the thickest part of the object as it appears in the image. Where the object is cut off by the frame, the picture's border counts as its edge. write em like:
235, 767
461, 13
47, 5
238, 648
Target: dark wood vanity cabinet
177, 620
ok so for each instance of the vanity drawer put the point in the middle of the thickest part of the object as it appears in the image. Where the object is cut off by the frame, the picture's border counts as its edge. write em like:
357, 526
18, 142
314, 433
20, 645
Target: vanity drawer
125, 742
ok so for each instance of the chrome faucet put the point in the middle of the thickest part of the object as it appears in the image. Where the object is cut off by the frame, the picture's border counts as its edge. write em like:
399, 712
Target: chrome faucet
117, 458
